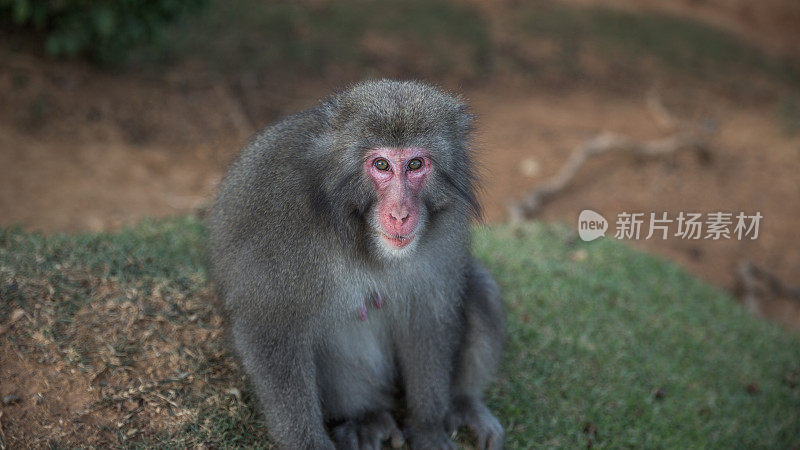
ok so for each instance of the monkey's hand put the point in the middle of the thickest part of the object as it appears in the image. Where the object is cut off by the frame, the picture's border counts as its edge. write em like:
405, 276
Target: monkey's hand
368, 433
429, 439
474, 415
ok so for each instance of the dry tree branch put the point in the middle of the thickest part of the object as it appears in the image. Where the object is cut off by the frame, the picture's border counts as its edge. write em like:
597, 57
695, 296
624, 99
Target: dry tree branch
660, 113
694, 137
530, 205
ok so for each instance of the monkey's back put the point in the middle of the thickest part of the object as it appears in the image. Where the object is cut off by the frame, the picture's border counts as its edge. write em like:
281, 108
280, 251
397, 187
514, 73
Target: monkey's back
262, 215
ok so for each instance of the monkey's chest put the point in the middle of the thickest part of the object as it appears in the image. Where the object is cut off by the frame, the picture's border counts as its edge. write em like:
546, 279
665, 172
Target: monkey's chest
356, 369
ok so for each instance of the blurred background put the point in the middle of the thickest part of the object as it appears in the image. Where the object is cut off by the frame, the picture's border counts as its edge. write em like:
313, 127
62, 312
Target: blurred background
114, 111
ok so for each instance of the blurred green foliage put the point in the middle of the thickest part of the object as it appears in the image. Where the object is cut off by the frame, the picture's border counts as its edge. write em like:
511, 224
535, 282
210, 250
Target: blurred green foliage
255, 39
280, 35
625, 38
104, 30
789, 111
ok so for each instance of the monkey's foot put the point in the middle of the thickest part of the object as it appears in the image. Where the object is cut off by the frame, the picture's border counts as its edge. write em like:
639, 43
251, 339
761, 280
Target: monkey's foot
429, 439
368, 433
474, 415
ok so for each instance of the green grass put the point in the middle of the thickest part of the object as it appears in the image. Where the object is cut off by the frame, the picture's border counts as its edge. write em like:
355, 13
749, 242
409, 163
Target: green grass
593, 342
617, 349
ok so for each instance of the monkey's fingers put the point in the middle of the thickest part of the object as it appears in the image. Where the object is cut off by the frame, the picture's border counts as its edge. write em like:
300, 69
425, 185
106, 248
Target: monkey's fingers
485, 428
370, 436
394, 433
488, 432
345, 436
369, 432
389, 430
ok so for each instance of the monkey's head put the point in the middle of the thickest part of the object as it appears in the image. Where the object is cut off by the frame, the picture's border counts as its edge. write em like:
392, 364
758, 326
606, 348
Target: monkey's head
404, 150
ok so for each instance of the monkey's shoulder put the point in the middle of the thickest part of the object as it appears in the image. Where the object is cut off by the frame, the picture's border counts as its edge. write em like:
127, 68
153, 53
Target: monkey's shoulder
290, 137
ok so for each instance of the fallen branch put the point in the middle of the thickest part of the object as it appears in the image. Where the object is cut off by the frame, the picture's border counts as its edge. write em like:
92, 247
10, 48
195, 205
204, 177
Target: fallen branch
530, 205
660, 114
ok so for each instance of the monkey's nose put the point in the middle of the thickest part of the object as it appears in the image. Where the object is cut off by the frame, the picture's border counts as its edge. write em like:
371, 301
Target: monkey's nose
400, 217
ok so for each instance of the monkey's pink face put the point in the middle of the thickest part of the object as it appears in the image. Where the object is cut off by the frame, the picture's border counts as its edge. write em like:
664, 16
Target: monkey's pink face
398, 175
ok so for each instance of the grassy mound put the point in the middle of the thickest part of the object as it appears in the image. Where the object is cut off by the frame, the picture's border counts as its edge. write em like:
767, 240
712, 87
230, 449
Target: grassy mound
620, 349
110, 339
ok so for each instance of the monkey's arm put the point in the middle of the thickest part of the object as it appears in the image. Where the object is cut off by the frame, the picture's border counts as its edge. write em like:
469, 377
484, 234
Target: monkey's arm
269, 328
426, 362
281, 368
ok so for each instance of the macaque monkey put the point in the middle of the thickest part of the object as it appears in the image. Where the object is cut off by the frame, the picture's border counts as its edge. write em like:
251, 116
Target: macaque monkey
339, 244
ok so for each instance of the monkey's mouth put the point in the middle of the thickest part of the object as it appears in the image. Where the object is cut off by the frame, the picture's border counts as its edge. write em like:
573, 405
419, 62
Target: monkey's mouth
397, 241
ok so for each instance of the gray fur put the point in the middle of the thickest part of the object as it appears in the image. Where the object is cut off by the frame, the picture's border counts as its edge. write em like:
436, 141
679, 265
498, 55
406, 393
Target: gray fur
294, 256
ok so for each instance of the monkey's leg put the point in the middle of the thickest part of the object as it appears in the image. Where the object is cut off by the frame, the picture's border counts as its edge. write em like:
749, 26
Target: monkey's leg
281, 369
368, 433
478, 359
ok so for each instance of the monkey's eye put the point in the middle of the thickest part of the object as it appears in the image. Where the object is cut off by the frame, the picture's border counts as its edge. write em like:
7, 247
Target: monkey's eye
381, 164
414, 164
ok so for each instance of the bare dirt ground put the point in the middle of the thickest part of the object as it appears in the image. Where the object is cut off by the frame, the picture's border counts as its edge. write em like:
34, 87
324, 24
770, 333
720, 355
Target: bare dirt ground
91, 387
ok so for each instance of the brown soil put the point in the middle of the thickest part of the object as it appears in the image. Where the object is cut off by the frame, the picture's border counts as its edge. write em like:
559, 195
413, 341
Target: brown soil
93, 386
